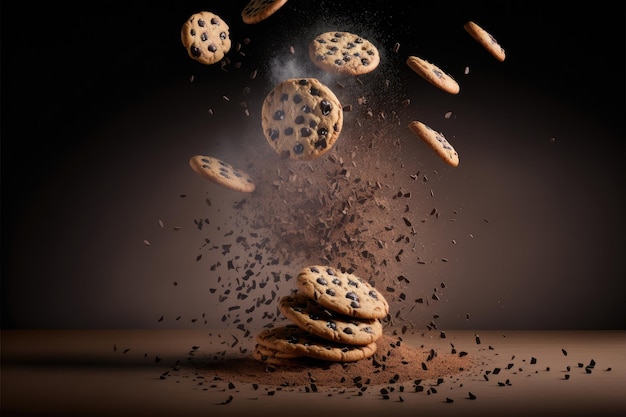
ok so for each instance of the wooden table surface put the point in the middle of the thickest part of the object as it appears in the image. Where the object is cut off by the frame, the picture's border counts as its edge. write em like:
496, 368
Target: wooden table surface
118, 373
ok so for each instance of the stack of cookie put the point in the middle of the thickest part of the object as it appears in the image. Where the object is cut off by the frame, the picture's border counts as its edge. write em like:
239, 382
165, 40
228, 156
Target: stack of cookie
334, 316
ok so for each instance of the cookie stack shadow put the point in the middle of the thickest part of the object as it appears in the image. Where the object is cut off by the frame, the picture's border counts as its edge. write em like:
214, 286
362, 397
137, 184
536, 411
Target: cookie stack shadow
332, 316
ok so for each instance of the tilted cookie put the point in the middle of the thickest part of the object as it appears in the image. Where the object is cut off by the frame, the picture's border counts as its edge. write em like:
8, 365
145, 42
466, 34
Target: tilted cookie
485, 39
343, 53
291, 338
222, 173
437, 141
206, 37
257, 10
433, 74
342, 292
301, 118
328, 324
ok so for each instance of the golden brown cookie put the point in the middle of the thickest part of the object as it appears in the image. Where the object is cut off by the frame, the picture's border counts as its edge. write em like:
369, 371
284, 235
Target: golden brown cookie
301, 118
328, 324
433, 74
222, 173
291, 338
343, 53
485, 39
437, 142
257, 10
206, 37
275, 357
342, 292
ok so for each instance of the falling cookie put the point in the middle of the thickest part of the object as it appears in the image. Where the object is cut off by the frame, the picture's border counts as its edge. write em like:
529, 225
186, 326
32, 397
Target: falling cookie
486, 40
433, 74
258, 10
436, 141
343, 53
222, 173
206, 37
301, 118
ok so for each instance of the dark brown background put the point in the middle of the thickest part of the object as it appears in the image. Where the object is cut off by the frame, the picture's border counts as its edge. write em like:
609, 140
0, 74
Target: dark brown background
99, 119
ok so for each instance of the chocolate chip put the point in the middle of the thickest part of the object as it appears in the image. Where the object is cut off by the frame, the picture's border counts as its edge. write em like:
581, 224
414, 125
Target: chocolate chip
279, 115
195, 51
326, 107
298, 148
299, 120
321, 144
352, 296
201, 23
273, 134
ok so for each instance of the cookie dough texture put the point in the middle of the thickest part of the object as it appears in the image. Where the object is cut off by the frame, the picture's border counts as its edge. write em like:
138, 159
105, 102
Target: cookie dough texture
206, 37
433, 74
436, 141
485, 39
290, 338
258, 10
222, 173
301, 118
342, 292
274, 357
343, 53
323, 322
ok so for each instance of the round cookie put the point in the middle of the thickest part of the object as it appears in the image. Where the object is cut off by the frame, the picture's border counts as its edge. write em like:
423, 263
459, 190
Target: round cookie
206, 37
323, 322
485, 39
222, 173
343, 53
342, 292
301, 118
257, 10
291, 338
433, 74
437, 141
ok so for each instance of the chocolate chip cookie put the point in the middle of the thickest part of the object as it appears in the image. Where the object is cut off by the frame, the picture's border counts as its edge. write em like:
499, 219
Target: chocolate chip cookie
206, 37
342, 292
222, 173
433, 74
290, 338
437, 142
309, 315
301, 118
343, 53
258, 10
